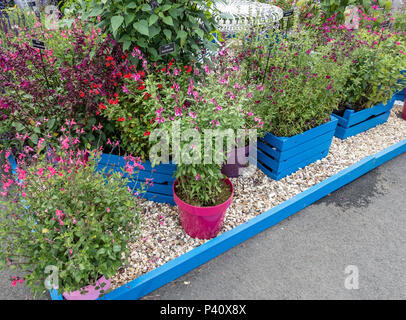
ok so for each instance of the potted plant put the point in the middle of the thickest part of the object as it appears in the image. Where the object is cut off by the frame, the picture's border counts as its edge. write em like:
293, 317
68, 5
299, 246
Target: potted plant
377, 60
201, 192
61, 217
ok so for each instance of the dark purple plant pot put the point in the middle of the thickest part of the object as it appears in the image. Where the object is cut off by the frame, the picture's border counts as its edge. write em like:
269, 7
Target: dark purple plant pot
233, 167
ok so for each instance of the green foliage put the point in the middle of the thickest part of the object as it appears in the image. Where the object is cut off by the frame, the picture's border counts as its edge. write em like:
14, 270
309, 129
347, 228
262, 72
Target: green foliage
152, 24
375, 70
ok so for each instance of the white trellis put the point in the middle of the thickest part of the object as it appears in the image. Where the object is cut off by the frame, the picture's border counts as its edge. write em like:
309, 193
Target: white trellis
237, 15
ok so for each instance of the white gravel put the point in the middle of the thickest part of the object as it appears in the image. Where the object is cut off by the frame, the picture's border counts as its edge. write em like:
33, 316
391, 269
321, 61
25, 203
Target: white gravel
163, 239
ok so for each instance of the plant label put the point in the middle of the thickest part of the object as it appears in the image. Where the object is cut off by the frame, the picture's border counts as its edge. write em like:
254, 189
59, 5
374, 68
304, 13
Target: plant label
38, 44
385, 24
167, 48
288, 13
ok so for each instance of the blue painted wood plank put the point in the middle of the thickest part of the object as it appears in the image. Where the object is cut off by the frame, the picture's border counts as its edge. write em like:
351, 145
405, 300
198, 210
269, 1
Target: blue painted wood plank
161, 175
344, 133
155, 188
285, 143
278, 166
160, 198
282, 174
389, 153
351, 118
400, 95
287, 154
55, 295
112, 159
139, 175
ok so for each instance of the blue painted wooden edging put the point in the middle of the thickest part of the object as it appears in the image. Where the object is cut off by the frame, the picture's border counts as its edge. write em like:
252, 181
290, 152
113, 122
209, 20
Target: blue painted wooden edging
179, 266
161, 175
353, 123
279, 157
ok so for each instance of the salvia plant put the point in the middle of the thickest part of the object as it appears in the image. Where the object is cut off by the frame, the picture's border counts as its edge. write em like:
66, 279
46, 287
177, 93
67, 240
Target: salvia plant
60, 211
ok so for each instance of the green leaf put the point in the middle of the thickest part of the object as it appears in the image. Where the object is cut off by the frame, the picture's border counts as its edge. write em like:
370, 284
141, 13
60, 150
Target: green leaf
34, 138
153, 31
168, 20
18, 126
182, 34
199, 32
165, 7
131, 5
51, 124
142, 27
168, 34
126, 45
96, 12
116, 22
146, 7
152, 19
129, 17
153, 51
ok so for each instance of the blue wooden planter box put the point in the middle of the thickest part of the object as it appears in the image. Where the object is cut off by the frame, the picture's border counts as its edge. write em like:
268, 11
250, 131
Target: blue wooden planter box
353, 123
279, 157
400, 95
161, 175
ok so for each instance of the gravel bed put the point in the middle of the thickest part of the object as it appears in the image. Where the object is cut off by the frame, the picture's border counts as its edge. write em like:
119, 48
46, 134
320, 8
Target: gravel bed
163, 239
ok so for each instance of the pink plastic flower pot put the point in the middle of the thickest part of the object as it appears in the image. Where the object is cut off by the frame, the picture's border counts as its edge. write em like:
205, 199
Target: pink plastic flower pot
92, 292
202, 222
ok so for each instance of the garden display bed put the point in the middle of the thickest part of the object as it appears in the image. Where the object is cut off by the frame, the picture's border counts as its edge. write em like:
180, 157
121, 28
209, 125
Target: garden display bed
164, 252
280, 156
353, 123
161, 177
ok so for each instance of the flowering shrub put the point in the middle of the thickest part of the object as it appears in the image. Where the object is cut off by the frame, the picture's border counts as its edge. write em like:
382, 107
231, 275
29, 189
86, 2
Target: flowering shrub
39, 91
161, 94
377, 61
147, 98
295, 83
61, 213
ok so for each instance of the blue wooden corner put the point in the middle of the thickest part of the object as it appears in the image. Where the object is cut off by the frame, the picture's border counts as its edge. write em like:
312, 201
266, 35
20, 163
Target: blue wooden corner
179, 266
353, 123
